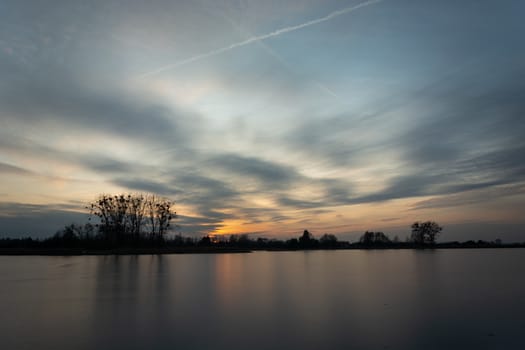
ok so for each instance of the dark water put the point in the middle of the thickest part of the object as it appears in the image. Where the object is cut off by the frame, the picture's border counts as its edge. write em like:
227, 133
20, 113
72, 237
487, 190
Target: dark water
444, 299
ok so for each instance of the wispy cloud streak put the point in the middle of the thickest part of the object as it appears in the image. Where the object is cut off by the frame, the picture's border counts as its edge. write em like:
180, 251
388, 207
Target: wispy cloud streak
259, 37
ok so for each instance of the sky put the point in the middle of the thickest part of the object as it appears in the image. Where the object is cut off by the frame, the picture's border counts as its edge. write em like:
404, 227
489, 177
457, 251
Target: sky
266, 117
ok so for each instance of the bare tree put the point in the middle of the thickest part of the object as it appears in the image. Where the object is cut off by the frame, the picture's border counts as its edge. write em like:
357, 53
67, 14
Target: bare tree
425, 232
159, 216
136, 213
111, 210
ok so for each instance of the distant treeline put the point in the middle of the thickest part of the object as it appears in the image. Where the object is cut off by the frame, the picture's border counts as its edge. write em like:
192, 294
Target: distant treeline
82, 239
142, 221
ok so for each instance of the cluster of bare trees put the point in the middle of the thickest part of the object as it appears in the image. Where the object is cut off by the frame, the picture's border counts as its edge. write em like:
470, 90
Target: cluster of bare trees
131, 217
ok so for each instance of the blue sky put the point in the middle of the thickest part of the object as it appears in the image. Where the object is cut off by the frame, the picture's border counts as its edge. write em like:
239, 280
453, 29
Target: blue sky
266, 117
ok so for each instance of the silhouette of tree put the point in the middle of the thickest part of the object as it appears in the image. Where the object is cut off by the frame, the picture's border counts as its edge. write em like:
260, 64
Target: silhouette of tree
308, 241
75, 231
374, 238
425, 232
128, 218
262, 242
136, 211
306, 237
67, 236
239, 240
243, 240
233, 240
292, 243
328, 240
367, 238
205, 241
159, 216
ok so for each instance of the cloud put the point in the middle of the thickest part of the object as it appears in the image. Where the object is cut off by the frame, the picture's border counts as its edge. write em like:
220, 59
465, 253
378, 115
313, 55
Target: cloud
13, 170
288, 202
40, 221
46, 102
329, 193
271, 175
336, 191
487, 171
257, 38
473, 197
502, 164
195, 226
216, 187
147, 185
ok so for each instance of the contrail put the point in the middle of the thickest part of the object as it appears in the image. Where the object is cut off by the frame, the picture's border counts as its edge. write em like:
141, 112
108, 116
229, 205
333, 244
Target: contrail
281, 60
260, 37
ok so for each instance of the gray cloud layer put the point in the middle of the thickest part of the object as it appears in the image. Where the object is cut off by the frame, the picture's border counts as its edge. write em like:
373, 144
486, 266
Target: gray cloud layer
433, 109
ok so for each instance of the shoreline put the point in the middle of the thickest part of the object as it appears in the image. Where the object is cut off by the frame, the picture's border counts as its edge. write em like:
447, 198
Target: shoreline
213, 250
119, 251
